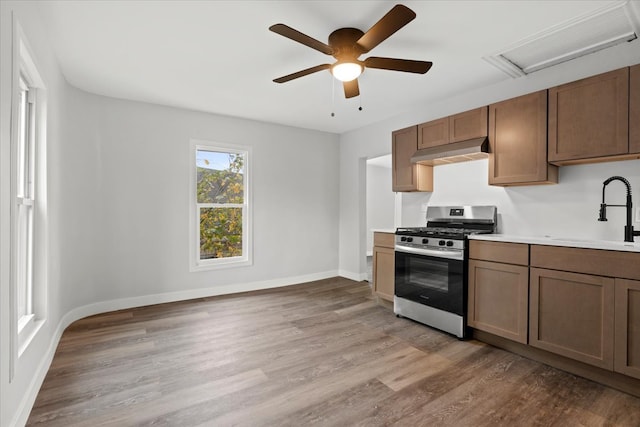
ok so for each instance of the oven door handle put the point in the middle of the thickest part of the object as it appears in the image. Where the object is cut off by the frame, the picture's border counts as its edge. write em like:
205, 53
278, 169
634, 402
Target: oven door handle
448, 254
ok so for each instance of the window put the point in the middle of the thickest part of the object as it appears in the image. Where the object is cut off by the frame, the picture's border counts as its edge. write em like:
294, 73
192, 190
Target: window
220, 236
28, 198
24, 201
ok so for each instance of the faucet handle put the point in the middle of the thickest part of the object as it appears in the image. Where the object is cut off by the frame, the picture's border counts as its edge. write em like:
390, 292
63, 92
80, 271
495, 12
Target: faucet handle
603, 212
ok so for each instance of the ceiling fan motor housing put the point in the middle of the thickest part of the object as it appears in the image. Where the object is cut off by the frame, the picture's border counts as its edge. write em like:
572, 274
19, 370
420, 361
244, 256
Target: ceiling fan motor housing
343, 41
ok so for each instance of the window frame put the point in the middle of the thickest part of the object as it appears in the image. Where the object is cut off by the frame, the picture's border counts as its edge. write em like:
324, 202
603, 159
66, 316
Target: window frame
246, 259
28, 195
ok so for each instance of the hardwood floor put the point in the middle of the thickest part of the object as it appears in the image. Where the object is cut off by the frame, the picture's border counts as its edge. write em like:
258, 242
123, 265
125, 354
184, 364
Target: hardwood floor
322, 353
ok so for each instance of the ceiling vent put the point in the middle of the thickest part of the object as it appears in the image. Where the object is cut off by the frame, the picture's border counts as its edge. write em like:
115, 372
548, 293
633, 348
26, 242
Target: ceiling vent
597, 30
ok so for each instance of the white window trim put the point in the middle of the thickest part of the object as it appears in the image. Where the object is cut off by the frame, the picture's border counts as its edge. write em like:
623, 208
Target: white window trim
195, 263
23, 330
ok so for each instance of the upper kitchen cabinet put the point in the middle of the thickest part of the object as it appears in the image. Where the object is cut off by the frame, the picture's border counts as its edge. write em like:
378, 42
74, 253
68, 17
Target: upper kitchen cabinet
408, 176
459, 127
589, 119
468, 125
634, 109
518, 142
433, 133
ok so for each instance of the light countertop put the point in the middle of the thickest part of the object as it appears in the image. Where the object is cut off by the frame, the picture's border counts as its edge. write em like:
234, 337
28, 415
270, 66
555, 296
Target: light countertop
561, 241
384, 230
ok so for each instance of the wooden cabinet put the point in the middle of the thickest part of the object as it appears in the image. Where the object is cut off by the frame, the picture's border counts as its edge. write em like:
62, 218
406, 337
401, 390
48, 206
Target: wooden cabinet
634, 109
572, 305
627, 327
518, 142
408, 176
589, 119
459, 127
583, 307
572, 315
383, 265
498, 291
433, 133
468, 125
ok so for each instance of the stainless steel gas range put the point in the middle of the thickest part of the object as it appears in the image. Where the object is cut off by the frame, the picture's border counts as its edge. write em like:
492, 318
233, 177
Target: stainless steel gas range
431, 265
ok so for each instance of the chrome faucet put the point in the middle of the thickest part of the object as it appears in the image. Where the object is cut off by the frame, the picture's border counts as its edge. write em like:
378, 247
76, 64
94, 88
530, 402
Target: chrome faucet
628, 229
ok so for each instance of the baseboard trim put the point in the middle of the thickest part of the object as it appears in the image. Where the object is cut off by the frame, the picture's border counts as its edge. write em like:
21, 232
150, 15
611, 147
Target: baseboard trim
358, 277
22, 415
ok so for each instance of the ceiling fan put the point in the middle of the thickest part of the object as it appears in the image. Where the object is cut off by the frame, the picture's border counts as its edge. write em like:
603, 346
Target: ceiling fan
347, 44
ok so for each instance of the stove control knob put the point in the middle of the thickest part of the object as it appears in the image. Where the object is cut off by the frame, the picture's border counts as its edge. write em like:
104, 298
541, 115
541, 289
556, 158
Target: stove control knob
449, 243
409, 239
403, 239
441, 243
425, 241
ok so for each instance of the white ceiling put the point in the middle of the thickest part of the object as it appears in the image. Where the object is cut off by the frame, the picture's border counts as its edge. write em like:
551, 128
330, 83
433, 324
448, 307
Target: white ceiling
220, 57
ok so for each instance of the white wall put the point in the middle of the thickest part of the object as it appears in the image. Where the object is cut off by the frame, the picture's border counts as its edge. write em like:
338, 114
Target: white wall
131, 231
569, 208
380, 201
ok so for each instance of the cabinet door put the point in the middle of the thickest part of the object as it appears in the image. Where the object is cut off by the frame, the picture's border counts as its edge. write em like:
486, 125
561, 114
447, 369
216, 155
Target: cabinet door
518, 141
572, 315
498, 299
468, 125
383, 272
406, 175
433, 133
627, 332
634, 109
589, 118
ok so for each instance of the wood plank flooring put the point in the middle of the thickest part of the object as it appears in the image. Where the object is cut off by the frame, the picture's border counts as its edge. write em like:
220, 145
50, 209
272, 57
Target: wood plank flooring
322, 353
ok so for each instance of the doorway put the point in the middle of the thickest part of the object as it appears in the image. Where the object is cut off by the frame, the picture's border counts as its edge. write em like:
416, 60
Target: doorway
380, 203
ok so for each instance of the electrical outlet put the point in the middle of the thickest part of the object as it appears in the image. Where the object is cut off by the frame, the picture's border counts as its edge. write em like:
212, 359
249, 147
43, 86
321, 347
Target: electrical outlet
637, 214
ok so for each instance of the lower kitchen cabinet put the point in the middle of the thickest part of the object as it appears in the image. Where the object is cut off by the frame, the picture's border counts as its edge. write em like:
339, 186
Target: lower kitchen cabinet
572, 315
498, 289
498, 297
627, 332
383, 265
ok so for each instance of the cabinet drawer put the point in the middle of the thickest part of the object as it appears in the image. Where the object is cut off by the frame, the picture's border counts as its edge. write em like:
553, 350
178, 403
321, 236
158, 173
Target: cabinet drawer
508, 253
624, 265
386, 240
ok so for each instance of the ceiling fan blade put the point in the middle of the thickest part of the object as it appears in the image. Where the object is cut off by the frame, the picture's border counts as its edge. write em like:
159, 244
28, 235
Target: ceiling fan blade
351, 88
299, 37
406, 65
302, 73
395, 19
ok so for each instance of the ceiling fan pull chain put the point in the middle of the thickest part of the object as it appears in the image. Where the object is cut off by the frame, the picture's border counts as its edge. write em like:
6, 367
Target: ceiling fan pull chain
333, 97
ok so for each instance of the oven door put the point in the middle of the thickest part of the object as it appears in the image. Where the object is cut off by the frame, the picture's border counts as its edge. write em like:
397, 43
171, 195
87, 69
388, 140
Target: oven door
426, 277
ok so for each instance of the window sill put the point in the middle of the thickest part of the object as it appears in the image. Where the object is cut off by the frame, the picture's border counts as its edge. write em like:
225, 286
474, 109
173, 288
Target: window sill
28, 329
220, 264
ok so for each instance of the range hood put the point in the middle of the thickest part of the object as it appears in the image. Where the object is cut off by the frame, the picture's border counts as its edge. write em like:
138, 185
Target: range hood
463, 151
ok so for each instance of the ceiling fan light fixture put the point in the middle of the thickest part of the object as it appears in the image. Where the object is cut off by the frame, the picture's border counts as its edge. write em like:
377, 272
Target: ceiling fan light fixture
346, 71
